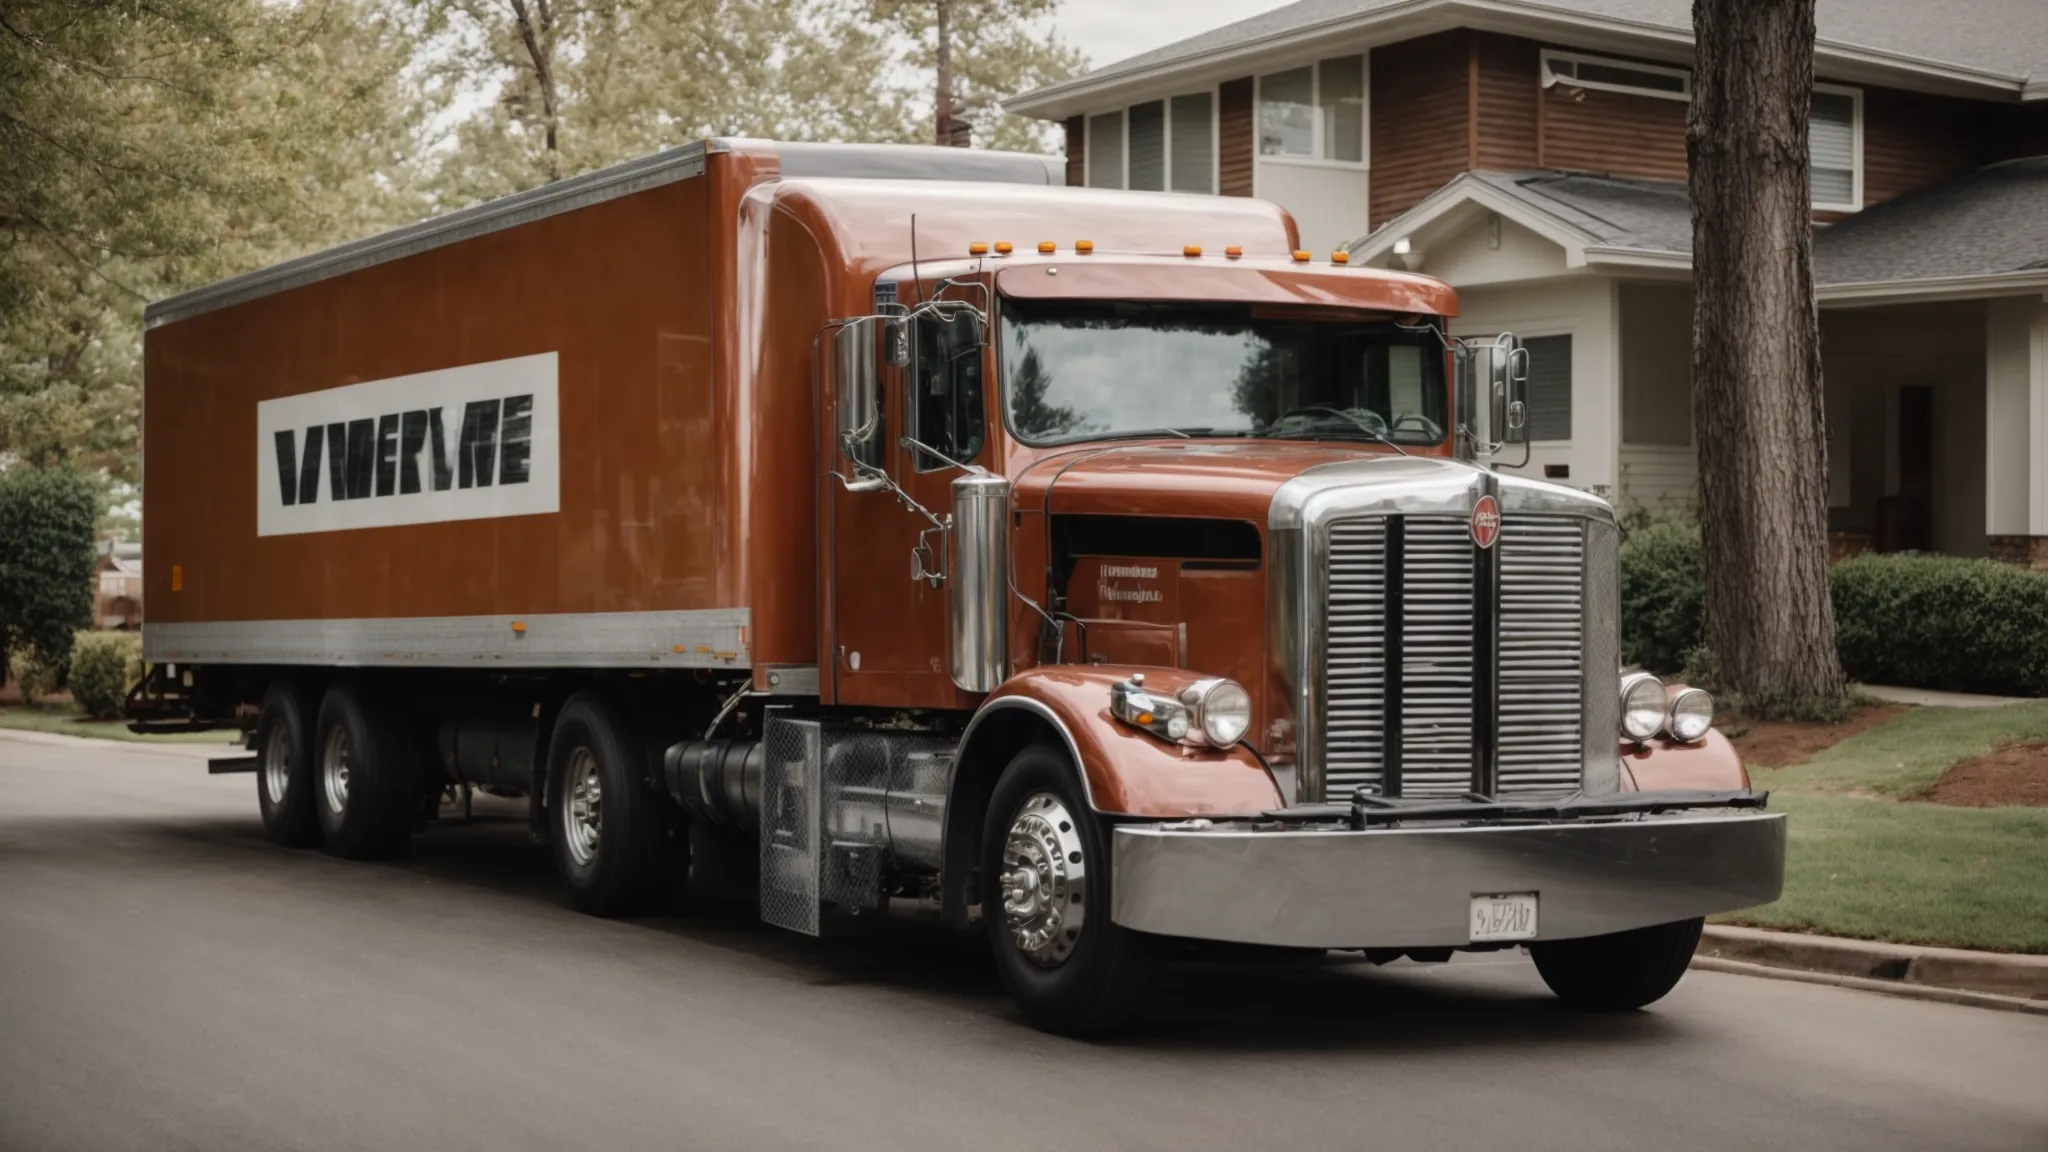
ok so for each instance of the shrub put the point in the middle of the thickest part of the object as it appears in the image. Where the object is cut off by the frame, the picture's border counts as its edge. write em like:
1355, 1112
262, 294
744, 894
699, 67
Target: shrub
33, 675
47, 519
104, 665
1663, 594
1943, 622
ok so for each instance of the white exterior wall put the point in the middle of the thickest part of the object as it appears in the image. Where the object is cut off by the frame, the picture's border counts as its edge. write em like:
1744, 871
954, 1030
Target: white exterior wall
1588, 308
2016, 418
1659, 465
1483, 253
1327, 200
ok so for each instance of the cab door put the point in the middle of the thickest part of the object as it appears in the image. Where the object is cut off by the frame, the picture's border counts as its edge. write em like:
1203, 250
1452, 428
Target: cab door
886, 641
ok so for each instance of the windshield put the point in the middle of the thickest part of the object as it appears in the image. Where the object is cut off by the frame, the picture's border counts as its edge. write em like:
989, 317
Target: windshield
1091, 369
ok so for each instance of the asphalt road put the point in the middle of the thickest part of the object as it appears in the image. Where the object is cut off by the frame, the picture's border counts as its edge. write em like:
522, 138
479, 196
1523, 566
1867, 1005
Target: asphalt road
170, 980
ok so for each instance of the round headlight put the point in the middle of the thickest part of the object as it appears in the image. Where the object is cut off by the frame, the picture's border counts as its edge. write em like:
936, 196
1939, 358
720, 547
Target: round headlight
1223, 710
1642, 706
1692, 713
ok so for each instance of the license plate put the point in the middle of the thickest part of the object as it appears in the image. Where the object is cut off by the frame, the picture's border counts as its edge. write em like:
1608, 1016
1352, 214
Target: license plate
1505, 916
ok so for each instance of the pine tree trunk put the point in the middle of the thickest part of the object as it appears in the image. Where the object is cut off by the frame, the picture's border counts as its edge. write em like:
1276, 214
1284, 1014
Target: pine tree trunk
1757, 401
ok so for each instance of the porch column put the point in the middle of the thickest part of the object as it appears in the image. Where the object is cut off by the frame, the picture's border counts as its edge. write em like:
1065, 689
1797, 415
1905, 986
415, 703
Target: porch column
2016, 431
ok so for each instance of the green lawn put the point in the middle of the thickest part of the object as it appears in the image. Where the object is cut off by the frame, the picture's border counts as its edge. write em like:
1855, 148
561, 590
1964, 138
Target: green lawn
69, 721
1865, 861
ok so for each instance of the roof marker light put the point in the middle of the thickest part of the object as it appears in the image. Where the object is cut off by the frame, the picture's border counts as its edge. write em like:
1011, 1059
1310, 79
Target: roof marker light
1191, 250
1003, 247
1301, 255
1084, 247
1047, 247
977, 249
1233, 251
1340, 256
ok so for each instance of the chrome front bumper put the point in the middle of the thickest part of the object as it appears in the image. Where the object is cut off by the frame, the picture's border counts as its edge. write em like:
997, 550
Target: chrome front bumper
1412, 887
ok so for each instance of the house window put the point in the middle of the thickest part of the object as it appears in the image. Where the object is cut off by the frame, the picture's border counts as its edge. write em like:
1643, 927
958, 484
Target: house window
1549, 393
1315, 112
1834, 143
1154, 146
1194, 142
1105, 153
1615, 76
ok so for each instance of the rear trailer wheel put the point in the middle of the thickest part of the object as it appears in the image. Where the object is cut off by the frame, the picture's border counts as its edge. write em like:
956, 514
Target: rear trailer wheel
607, 825
366, 781
1045, 882
284, 773
1620, 971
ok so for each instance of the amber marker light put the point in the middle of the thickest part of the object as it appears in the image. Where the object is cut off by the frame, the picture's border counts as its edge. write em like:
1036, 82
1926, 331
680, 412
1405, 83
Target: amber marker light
1191, 250
1233, 252
1047, 247
1084, 247
1301, 256
977, 249
519, 626
1340, 257
1003, 248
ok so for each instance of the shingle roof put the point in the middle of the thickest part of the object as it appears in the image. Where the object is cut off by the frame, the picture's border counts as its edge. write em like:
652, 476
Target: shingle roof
2008, 38
1983, 223
1645, 215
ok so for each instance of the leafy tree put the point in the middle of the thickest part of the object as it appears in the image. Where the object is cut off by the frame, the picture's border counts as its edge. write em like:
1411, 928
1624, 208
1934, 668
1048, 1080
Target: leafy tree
46, 559
1028, 409
155, 145
990, 49
1756, 358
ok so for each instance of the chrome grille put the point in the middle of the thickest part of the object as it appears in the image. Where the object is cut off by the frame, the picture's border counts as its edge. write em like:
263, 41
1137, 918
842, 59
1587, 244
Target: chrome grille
1355, 656
1542, 627
1436, 657
1537, 733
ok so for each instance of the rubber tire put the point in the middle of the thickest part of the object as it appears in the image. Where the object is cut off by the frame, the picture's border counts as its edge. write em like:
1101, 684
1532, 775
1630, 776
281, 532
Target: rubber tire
1102, 983
1621, 971
384, 785
293, 822
630, 872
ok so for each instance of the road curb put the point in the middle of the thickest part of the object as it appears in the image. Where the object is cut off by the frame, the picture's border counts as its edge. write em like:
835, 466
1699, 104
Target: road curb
1996, 979
1865, 984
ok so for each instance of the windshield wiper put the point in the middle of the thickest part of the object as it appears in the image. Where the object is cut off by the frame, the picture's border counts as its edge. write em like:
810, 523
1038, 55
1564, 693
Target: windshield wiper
1143, 434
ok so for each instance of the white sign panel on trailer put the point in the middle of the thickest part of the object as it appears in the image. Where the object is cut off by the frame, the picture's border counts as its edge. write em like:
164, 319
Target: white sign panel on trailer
467, 443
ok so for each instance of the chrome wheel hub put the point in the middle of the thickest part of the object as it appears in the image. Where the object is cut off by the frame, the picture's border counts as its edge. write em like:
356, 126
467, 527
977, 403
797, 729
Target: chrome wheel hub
277, 764
334, 758
1044, 881
583, 814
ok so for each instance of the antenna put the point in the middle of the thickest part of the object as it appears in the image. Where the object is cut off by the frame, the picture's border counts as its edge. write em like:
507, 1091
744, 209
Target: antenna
914, 273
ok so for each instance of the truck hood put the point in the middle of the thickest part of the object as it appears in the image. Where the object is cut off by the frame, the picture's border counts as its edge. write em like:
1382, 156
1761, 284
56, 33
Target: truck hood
1228, 479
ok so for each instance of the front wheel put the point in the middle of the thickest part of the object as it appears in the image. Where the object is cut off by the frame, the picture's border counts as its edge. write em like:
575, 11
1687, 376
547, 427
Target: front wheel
1045, 879
1619, 971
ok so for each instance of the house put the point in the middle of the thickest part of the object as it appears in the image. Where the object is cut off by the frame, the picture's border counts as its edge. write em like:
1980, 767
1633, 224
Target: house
1532, 154
117, 586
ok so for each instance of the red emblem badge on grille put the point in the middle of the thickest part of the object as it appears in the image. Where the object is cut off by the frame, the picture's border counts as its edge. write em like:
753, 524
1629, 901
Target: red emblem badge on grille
1485, 522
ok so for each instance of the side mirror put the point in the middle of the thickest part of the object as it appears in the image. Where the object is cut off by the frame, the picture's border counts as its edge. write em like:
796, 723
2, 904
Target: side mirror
1509, 367
857, 401
896, 341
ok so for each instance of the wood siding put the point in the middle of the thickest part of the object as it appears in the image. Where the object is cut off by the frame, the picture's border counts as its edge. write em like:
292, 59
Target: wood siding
1505, 103
1911, 140
1588, 130
1421, 109
1235, 138
1077, 151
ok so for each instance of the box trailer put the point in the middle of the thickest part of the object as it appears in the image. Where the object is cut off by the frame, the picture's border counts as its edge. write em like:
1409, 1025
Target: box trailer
880, 524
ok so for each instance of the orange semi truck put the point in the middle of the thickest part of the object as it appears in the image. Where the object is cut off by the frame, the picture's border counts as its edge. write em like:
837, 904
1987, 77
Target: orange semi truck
878, 524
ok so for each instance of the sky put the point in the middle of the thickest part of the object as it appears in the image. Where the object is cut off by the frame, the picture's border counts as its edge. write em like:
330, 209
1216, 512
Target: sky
1113, 30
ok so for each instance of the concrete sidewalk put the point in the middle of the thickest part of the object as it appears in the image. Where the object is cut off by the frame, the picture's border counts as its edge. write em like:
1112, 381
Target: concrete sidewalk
1992, 979
1935, 698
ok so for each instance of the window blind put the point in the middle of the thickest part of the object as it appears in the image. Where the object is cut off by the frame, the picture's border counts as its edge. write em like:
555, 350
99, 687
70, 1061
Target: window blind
1147, 126
1194, 144
1549, 394
1106, 150
1831, 141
